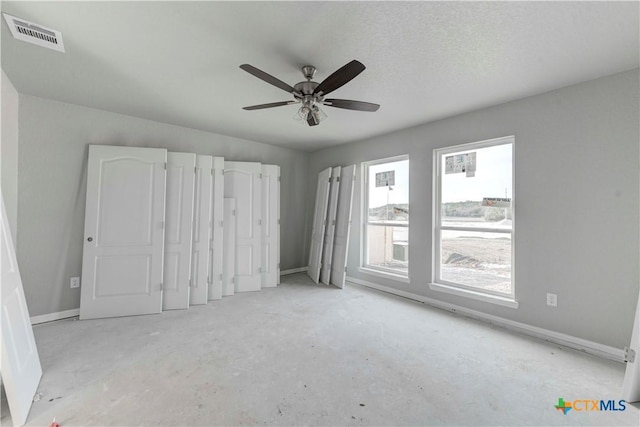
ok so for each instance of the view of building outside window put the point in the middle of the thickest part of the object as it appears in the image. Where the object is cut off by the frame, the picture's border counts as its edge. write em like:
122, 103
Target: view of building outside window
387, 222
475, 228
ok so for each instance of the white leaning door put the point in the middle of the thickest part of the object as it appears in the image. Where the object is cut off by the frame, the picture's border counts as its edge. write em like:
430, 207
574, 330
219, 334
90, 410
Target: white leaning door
631, 384
270, 221
243, 182
201, 231
181, 170
319, 223
123, 232
21, 370
217, 212
229, 248
327, 247
343, 226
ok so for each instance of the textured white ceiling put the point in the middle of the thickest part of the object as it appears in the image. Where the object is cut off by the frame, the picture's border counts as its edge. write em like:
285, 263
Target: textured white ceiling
177, 62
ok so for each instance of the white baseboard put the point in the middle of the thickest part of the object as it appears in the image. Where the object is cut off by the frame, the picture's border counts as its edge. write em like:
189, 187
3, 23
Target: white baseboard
576, 343
55, 316
35, 320
294, 271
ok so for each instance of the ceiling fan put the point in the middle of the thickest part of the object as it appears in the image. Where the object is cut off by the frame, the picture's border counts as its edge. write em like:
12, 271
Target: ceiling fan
311, 94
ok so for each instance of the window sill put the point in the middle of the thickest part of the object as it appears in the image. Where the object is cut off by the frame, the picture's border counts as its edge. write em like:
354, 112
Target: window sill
384, 274
480, 296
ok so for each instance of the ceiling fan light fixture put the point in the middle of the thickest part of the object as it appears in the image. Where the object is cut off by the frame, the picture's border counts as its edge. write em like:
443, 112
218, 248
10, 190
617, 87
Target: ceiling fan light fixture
310, 113
318, 114
301, 116
303, 112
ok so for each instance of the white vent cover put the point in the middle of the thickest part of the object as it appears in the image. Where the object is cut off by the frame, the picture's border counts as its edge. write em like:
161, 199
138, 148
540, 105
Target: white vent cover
34, 33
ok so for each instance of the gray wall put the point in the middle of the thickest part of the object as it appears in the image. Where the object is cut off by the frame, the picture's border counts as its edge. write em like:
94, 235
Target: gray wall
576, 211
54, 139
9, 153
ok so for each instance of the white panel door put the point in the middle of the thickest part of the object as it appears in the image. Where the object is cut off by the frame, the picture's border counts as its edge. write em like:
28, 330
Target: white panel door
178, 230
631, 384
21, 370
243, 182
123, 232
343, 226
217, 209
278, 232
201, 230
319, 223
270, 221
229, 248
327, 246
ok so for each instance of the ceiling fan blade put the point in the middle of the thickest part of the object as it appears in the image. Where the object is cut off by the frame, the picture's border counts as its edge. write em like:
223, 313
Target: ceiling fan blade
267, 78
340, 77
351, 105
273, 104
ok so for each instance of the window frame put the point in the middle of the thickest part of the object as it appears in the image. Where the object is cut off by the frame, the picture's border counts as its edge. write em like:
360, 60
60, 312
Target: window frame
501, 298
365, 267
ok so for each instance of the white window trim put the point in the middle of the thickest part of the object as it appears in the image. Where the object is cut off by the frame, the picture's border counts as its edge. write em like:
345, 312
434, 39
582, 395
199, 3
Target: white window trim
364, 267
507, 300
504, 301
386, 274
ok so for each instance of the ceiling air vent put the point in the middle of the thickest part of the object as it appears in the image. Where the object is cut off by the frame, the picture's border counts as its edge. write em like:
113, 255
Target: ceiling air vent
34, 33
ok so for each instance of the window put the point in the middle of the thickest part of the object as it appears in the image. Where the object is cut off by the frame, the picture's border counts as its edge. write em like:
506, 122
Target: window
473, 219
386, 216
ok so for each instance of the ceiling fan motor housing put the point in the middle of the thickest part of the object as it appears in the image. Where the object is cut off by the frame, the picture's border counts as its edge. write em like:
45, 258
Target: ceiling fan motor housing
306, 88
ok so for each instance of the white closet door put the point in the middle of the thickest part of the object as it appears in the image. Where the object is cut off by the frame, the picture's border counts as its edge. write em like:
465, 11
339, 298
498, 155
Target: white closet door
319, 223
270, 219
21, 370
201, 230
243, 182
631, 383
278, 232
217, 208
178, 230
343, 226
327, 247
229, 248
123, 232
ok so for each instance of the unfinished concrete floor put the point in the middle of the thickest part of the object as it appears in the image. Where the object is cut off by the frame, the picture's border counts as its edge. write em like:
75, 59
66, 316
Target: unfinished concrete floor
305, 354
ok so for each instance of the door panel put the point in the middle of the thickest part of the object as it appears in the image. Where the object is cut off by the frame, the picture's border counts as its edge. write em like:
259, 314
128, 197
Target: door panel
327, 247
270, 219
201, 230
132, 223
319, 223
243, 182
217, 206
21, 370
121, 275
343, 226
122, 264
178, 230
229, 248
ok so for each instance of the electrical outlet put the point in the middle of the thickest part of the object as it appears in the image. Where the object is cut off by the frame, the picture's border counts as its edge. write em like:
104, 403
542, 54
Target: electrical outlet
74, 282
552, 300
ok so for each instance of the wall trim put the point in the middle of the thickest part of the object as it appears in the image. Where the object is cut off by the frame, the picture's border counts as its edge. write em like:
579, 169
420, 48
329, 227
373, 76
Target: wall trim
43, 318
570, 341
294, 271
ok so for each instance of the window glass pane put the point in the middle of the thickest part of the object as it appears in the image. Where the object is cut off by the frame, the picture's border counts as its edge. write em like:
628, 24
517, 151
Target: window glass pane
478, 193
478, 259
388, 247
388, 192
